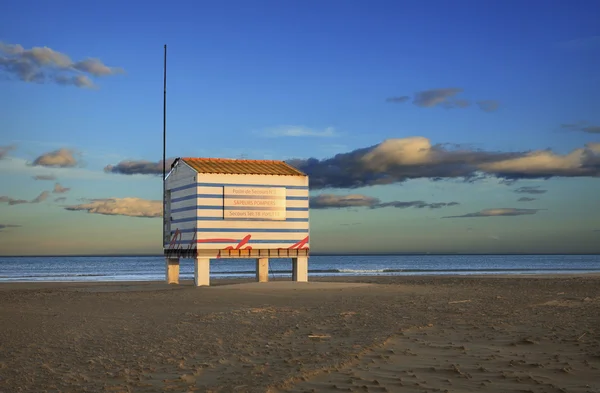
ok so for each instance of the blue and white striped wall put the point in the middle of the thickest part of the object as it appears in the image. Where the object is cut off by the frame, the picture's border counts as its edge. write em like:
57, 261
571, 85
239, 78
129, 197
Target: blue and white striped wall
196, 212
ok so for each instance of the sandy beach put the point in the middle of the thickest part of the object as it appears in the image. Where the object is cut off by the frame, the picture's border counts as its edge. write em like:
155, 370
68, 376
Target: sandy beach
360, 334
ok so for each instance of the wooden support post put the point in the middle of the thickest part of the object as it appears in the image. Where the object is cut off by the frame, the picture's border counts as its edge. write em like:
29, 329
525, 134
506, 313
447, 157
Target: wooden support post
172, 270
300, 269
262, 269
202, 271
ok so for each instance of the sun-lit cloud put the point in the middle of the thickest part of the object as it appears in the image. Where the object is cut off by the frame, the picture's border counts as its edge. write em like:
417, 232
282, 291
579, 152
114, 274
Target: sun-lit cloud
499, 212
41, 198
526, 199
332, 201
545, 164
530, 190
4, 150
46, 65
398, 160
139, 167
44, 177
58, 189
132, 207
488, 105
62, 158
298, 131
582, 127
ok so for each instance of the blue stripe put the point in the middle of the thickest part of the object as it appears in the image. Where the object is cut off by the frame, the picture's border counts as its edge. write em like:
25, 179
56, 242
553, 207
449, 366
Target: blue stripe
238, 219
263, 230
201, 196
212, 207
187, 242
192, 185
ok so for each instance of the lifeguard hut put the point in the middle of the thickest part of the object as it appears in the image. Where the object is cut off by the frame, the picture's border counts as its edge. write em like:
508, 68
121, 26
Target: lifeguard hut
226, 208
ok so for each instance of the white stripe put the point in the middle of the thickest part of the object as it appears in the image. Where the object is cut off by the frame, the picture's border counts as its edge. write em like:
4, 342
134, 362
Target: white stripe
238, 236
240, 224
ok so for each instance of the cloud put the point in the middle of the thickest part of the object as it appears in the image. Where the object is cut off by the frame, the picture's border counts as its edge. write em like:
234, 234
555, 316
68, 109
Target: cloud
140, 167
58, 189
44, 177
416, 204
394, 161
45, 65
60, 199
331, 201
530, 190
132, 207
526, 199
433, 97
41, 198
4, 150
12, 201
584, 43
7, 226
500, 212
546, 164
298, 131
398, 100
488, 105
62, 158
583, 127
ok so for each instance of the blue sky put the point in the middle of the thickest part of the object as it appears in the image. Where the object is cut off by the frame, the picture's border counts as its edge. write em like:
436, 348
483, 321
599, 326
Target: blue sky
463, 108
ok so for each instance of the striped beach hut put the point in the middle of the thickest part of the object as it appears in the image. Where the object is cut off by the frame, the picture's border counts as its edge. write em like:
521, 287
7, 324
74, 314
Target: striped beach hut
227, 208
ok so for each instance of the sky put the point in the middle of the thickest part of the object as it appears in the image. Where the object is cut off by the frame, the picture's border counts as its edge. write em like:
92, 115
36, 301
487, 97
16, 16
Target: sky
424, 126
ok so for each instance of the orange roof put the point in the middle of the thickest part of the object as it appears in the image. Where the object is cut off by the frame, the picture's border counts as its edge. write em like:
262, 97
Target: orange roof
242, 167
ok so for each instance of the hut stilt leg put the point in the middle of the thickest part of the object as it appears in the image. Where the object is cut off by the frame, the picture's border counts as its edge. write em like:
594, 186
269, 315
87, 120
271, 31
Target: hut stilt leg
300, 269
172, 270
202, 272
262, 269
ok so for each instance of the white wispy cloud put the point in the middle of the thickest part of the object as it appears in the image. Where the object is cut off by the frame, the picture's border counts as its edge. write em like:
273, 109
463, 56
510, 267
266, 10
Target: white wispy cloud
132, 207
298, 131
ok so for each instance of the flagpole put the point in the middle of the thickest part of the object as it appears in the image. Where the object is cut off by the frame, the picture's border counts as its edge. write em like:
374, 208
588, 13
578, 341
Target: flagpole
164, 142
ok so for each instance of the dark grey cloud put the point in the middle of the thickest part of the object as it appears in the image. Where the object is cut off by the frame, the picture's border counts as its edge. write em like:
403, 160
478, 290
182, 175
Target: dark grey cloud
4, 150
488, 105
526, 199
398, 99
583, 127
44, 177
12, 201
530, 190
45, 65
8, 226
331, 201
61, 158
131, 207
433, 97
499, 212
139, 167
60, 199
416, 204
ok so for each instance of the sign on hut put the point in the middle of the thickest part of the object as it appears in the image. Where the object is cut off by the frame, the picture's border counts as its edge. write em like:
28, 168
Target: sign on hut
224, 208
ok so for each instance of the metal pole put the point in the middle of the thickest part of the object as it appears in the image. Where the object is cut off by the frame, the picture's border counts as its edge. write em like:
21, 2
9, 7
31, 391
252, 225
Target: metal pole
164, 144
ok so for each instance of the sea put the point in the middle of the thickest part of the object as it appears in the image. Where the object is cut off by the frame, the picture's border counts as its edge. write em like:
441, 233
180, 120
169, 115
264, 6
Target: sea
152, 268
